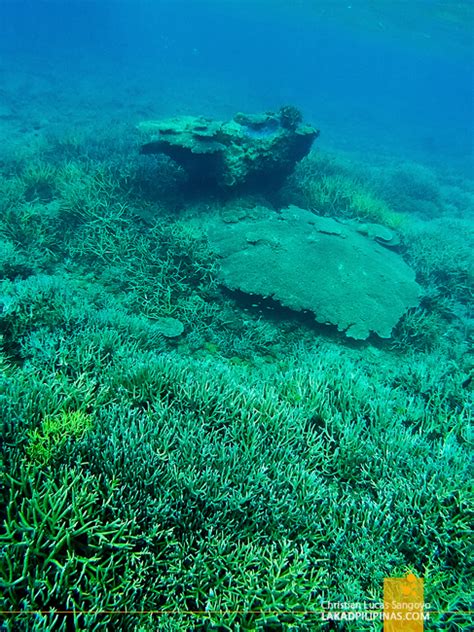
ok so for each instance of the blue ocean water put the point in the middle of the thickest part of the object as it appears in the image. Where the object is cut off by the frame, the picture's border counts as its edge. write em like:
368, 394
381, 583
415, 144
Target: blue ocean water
393, 77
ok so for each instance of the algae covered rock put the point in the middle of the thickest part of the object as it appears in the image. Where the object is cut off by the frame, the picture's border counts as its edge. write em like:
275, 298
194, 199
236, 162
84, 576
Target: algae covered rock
316, 264
256, 150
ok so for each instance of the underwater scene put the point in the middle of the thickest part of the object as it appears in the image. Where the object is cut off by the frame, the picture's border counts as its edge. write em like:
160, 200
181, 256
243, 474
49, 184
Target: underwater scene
236, 315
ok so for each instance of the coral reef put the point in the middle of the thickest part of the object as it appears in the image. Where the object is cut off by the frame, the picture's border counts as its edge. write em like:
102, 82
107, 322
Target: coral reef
175, 459
336, 189
253, 150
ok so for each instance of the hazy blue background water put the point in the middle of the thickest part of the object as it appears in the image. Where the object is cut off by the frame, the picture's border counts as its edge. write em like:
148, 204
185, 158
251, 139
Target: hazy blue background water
384, 76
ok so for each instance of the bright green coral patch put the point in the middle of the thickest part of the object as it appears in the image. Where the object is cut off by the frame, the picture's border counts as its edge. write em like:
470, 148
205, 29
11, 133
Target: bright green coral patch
45, 443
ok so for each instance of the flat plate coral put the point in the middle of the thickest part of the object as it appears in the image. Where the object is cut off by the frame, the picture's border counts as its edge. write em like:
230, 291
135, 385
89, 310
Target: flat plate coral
317, 264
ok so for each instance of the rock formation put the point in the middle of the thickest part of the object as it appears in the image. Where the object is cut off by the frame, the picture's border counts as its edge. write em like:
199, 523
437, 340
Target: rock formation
256, 151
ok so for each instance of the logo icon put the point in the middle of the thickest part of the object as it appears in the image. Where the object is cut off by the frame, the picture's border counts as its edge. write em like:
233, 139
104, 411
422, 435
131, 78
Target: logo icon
403, 604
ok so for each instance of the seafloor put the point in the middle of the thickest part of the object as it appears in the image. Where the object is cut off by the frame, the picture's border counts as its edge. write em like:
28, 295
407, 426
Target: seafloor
231, 467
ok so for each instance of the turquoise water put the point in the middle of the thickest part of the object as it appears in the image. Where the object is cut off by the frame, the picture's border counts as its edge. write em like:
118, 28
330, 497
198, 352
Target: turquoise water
236, 375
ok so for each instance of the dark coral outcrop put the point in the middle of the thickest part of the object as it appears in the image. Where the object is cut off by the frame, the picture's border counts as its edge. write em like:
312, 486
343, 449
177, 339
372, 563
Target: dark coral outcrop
255, 151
